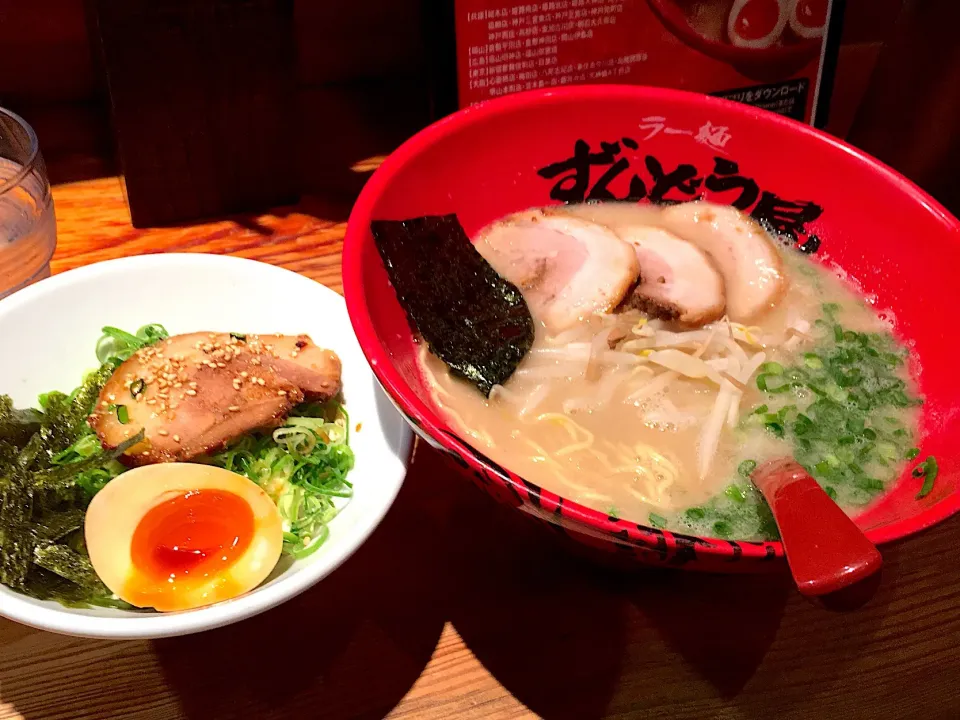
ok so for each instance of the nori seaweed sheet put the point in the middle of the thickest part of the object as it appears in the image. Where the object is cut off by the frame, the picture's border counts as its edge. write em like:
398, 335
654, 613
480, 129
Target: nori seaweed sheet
471, 318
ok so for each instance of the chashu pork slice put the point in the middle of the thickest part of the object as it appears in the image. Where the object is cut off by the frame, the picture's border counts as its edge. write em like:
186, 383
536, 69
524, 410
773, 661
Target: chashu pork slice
566, 268
751, 266
194, 393
678, 282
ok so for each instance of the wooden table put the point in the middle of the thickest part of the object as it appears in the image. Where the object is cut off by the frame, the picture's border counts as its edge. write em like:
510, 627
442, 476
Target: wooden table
457, 607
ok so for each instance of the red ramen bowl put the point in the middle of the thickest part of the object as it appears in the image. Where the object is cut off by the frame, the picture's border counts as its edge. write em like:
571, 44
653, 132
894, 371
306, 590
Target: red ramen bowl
840, 206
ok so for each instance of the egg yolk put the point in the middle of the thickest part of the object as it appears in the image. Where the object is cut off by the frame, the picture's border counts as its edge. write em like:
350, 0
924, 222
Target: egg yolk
757, 19
184, 542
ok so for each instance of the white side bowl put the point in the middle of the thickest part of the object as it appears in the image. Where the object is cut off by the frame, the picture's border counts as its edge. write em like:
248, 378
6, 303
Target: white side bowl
48, 332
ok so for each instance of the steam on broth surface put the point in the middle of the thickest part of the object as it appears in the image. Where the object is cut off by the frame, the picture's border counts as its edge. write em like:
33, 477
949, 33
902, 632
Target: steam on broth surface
646, 412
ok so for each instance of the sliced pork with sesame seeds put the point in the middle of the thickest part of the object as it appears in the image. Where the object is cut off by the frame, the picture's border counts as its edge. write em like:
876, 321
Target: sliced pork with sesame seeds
194, 393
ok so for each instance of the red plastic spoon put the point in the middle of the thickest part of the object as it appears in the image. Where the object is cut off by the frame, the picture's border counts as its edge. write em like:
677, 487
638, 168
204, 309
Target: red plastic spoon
826, 551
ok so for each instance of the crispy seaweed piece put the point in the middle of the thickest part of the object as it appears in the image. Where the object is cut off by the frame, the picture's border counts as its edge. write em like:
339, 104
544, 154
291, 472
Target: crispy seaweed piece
68, 564
45, 585
16, 537
64, 417
56, 526
24, 495
17, 426
472, 319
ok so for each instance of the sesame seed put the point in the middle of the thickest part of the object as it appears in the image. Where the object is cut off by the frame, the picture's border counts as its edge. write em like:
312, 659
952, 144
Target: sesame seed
152, 401
112, 396
145, 453
221, 365
260, 381
282, 393
176, 438
162, 432
243, 374
294, 353
193, 385
233, 408
191, 392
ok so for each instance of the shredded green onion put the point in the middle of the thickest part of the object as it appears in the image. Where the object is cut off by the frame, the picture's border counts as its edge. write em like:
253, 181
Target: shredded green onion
303, 466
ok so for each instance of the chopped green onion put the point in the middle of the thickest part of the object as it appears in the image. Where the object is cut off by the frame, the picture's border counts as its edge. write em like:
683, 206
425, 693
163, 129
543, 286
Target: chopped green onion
122, 414
831, 492
803, 425
696, 513
775, 428
812, 361
931, 470
735, 492
239, 336
746, 468
152, 333
658, 521
137, 387
763, 383
771, 368
912, 453
868, 483
722, 528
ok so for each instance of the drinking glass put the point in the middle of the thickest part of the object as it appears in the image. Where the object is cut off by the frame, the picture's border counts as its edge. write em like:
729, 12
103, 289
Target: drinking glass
28, 229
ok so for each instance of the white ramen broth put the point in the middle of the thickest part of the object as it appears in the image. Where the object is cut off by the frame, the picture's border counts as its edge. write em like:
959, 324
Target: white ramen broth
644, 419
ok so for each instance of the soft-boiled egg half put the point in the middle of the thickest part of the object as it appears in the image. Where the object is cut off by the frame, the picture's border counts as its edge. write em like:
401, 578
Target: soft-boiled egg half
177, 536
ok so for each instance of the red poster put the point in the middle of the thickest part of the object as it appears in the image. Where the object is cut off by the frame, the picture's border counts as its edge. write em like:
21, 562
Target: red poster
766, 53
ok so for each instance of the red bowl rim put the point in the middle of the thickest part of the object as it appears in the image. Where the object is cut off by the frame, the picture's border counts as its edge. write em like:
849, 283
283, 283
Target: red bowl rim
407, 400
676, 21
